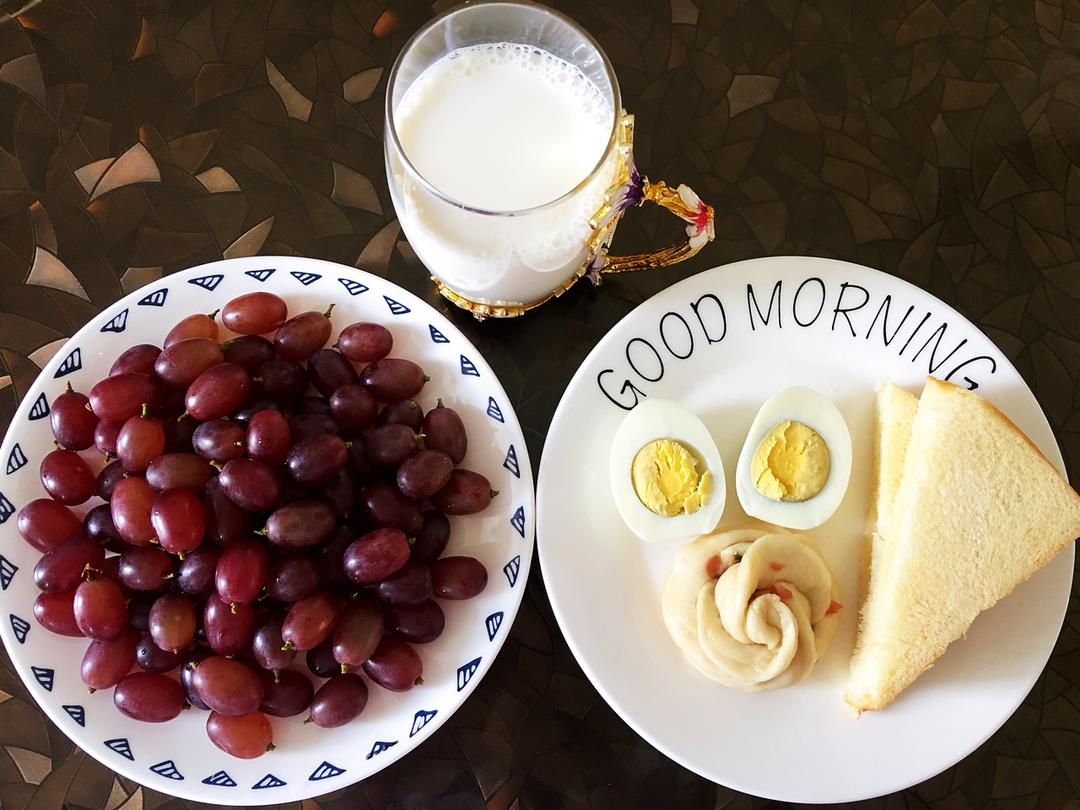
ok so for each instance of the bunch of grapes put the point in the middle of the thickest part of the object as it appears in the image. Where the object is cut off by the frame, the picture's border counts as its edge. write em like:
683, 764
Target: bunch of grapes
266, 502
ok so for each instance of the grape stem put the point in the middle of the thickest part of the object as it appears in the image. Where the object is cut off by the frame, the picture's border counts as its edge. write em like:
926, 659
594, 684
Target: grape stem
344, 668
288, 645
329, 309
212, 315
144, 409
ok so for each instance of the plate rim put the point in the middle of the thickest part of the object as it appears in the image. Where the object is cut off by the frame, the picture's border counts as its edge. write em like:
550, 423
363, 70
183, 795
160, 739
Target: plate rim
179, 789
562, 413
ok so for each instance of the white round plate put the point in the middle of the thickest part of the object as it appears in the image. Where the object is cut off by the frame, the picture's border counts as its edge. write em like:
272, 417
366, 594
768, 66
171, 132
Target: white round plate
841, 329
177, 758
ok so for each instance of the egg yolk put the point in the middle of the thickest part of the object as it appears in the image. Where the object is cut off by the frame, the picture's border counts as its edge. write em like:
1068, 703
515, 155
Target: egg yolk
666, 479
791, 463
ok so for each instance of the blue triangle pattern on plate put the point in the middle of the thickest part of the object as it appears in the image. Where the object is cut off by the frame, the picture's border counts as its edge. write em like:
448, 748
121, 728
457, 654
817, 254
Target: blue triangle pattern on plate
421, 719
396, 308
467, 367
41, 407
154, 299
512, 569
261, 275
44, 676
78, 713
7, 508
121, 746
465, 673
436, 335
19, 626
493, 623
493, 409
117, 324
518, 521
207, 282
268, 781
219, 779
325, 771
7, 572
305, 279
353, 286
73, 362
511, 462
379, 747
16, 459
168, 769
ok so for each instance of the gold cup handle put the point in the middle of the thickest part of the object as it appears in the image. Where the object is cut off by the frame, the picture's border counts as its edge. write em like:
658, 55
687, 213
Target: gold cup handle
635, 189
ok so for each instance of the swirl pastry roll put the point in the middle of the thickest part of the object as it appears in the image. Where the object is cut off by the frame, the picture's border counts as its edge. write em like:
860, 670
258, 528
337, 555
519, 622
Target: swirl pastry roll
751, 608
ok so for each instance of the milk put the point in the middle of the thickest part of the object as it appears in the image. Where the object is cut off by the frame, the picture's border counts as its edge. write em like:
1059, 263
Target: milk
502, 128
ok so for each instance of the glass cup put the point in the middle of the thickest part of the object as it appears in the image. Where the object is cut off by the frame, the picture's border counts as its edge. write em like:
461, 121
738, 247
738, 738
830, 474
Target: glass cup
504, 263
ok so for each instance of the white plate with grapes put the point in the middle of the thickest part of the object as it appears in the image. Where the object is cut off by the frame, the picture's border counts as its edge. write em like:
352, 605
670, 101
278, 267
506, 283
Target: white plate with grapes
290, 535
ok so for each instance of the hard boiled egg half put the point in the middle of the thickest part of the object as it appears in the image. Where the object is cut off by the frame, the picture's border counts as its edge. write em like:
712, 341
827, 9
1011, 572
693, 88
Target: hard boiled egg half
666, 474
794, 466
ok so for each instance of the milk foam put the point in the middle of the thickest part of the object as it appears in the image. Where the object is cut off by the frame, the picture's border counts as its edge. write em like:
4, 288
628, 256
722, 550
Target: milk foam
503, 126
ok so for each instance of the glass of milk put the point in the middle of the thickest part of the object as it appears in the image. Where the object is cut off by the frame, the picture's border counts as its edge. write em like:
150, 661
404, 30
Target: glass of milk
509, 158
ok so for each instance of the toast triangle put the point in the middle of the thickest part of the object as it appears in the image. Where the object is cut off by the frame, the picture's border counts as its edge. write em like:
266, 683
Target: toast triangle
978, 510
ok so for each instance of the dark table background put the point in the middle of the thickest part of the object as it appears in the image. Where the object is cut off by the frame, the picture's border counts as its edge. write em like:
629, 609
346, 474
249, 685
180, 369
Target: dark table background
939, 141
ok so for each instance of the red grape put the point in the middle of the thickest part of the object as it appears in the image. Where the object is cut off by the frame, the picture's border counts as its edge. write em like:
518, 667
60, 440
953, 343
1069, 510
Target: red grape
187, 674
301, 523
46, 524
292, 578
106, 435
227, 686
105, 662
357, 632
353, 407
249, 351
394, 665
72, 421
225, 521
219, 440
145, 568
117, 399
178, 519
62, 568
100, 609
308, 425
250, 484
193, 326
131, 503
140, 441
432, 538
172, 622
268, 437
384, 505
151, 658
107, 479
417, 624
98, 524
302, 335
268, 646
320, 660
282, 381
424, 473
228, 627
254, 313
56, 613
246, 737
67, 477
444, 430
178, 470
466, 493
286, 693
329, 371
402, 412
338, 701
315, 461
393, 378
390, 445
139, 358
185, 360
458, 577
218, 391
149, 696
195, 573
365, 342
376, 555
241, 571
310, 621
409, 586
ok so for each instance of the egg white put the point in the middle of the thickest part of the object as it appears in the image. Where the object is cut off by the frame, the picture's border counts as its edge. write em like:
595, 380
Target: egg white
815, 411
664, 419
